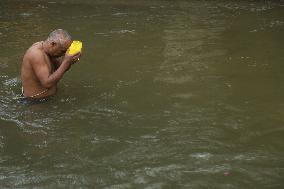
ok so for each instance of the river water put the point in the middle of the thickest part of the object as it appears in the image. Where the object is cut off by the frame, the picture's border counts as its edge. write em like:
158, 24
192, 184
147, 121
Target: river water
168, 94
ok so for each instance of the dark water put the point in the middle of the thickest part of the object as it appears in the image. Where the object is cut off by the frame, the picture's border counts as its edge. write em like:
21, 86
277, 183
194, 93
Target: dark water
169, 94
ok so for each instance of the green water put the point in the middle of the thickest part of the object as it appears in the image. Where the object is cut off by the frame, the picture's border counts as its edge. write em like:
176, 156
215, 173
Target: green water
168, 94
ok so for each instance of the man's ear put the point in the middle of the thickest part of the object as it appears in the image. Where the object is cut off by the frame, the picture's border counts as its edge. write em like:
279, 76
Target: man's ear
53, 43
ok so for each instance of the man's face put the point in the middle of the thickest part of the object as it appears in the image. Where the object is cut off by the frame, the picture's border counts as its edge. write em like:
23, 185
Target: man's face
58, 50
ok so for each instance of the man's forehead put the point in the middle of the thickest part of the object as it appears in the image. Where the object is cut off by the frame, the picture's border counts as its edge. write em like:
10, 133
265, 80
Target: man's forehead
67, 43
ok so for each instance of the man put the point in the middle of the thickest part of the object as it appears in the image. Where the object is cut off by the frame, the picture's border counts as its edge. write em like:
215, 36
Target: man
41, 68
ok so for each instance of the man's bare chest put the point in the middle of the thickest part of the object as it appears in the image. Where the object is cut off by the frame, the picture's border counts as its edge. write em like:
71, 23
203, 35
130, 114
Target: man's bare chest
50, 63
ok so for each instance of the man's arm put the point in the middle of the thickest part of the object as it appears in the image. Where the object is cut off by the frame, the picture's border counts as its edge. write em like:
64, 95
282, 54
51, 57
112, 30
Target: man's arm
43, 73
57, 62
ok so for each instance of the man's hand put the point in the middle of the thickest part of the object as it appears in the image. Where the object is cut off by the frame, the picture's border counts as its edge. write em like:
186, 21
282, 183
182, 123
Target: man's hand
71, 59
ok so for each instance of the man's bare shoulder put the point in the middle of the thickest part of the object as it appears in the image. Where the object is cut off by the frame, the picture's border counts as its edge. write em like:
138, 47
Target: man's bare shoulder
34, 53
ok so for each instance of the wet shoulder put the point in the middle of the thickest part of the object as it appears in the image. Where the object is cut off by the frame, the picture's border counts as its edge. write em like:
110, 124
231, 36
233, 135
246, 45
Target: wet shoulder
34, 53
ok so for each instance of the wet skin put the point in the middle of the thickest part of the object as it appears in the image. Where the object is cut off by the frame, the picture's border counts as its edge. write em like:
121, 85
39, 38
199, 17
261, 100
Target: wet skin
43, 66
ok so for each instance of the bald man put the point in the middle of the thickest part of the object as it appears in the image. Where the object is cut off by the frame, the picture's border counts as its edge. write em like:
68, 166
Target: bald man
45, 63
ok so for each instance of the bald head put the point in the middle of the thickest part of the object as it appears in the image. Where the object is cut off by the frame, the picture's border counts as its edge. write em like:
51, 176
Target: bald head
57, 43
59, 36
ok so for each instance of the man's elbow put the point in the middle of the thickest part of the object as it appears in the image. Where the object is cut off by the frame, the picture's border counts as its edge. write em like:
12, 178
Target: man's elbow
47, 84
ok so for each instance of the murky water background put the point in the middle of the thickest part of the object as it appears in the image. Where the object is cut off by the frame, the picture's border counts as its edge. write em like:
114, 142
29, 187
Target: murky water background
169, 94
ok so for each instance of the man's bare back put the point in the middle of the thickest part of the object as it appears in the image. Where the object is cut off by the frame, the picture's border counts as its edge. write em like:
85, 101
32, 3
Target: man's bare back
41, 70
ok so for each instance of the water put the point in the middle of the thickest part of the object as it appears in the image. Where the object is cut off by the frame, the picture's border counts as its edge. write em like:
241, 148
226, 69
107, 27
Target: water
168, 94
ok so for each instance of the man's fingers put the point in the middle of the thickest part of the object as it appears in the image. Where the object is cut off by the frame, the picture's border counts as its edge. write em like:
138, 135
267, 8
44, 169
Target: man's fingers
77, 56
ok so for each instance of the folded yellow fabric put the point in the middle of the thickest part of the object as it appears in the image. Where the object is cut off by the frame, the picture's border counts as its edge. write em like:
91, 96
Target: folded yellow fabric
75, 47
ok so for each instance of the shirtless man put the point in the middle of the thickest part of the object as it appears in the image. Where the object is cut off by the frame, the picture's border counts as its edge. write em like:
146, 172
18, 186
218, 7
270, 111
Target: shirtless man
41, 68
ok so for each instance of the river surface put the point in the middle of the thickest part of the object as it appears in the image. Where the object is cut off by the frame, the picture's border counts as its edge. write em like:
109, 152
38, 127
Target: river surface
168, 94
